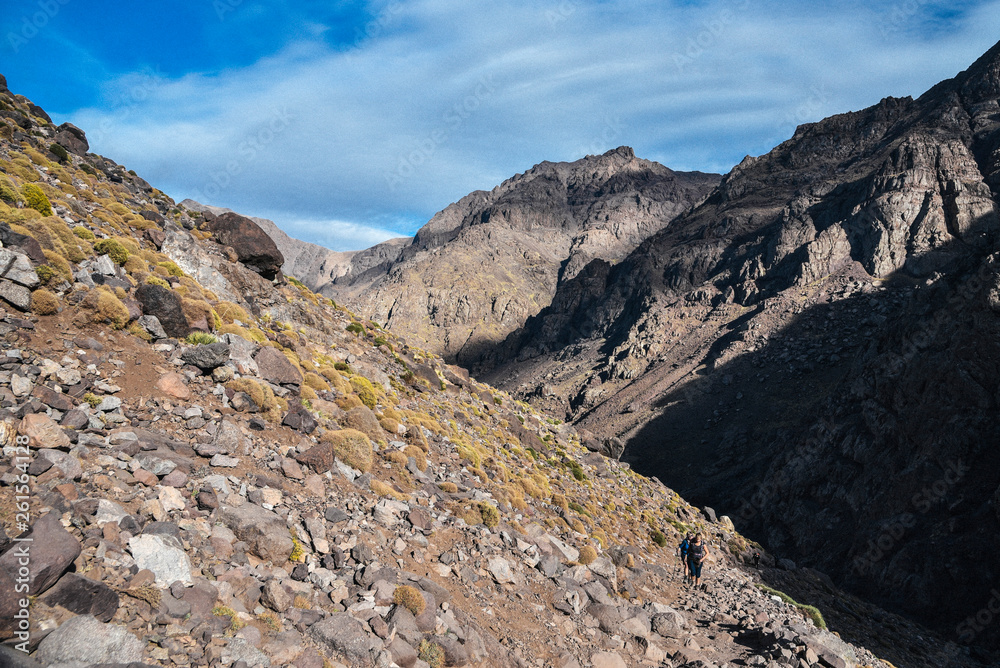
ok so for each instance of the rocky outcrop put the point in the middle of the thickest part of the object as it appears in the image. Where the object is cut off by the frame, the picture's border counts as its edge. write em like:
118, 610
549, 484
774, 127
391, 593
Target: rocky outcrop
72, 138
483, 265
253, 247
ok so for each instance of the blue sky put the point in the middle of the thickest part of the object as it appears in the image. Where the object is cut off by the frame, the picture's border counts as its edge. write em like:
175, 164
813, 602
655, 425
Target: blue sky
351, 122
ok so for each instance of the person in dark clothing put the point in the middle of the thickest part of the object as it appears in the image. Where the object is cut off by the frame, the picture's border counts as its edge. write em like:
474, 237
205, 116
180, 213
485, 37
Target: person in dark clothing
682, 553
697, 554
756, 560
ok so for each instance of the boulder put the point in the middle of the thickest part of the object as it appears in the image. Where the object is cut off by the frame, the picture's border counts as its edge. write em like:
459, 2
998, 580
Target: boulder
72, 138
207, 357
52, 550
83, 596
17, 267
89, 641
158, 301
274, 367
346, 636
23, 243
16, 295
152, 325
254, 248
174, 385
163, 555
300, 419
264, 532
43, 432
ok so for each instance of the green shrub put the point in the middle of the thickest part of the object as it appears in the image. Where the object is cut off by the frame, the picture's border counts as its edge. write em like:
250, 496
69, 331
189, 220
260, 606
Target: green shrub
172, 268
810, 610
587, 555
365, 390
409, 598
83, 233
45, 273
59, 152
112, 249
200, 339
156, 280
44, 302
355, 328
431, 653
36, 199
8, 193
342, 366
351, 447
658, 537
491, 516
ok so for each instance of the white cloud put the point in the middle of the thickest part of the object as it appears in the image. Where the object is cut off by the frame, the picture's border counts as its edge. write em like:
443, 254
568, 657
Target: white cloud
451, 96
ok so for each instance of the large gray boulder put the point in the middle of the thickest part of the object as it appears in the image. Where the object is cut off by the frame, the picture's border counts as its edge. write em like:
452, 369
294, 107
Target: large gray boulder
89, 641
264, 532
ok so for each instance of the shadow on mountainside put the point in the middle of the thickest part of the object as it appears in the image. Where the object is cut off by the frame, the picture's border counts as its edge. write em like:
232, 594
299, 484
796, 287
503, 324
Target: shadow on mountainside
859, 440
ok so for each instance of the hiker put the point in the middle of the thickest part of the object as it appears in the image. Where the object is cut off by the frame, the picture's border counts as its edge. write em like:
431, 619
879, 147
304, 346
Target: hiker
682, 552
697, 553
756, 560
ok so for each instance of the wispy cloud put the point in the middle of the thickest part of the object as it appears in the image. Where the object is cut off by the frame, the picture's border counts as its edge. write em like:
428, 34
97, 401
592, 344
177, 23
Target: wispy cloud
441, 97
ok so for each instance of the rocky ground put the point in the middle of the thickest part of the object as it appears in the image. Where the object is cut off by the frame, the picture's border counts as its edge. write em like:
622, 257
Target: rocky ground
208, 464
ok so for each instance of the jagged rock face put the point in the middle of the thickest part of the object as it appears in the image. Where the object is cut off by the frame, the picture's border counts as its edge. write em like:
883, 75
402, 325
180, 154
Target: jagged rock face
717, 344
483, 265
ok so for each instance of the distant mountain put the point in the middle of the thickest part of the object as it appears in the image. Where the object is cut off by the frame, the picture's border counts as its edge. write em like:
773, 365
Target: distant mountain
312, 264
815, 347
483, 265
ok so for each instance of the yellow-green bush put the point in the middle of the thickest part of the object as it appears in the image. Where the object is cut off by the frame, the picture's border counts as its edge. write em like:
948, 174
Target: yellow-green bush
409, 598
315, 381
171, 268
365, 391
44, 302
491, 516
196, 309
59, 264
230, 312
113, 249
351, 447
106, 307
83, 233
587, 555
35, 198
418, 455
156, 280
260, 394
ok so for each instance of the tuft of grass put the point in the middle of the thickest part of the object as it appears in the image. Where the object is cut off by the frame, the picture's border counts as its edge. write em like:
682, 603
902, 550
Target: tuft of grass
226, 611
657, 537
200, 338
410, 598
810, 610
270, 620
365, 391
298, 553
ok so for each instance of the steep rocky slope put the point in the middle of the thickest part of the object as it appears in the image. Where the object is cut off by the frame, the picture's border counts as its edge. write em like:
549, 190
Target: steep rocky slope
219, 469
814, 348
483, 265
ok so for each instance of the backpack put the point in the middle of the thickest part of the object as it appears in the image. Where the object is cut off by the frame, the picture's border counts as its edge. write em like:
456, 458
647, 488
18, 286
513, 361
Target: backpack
696, 552
685, 546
